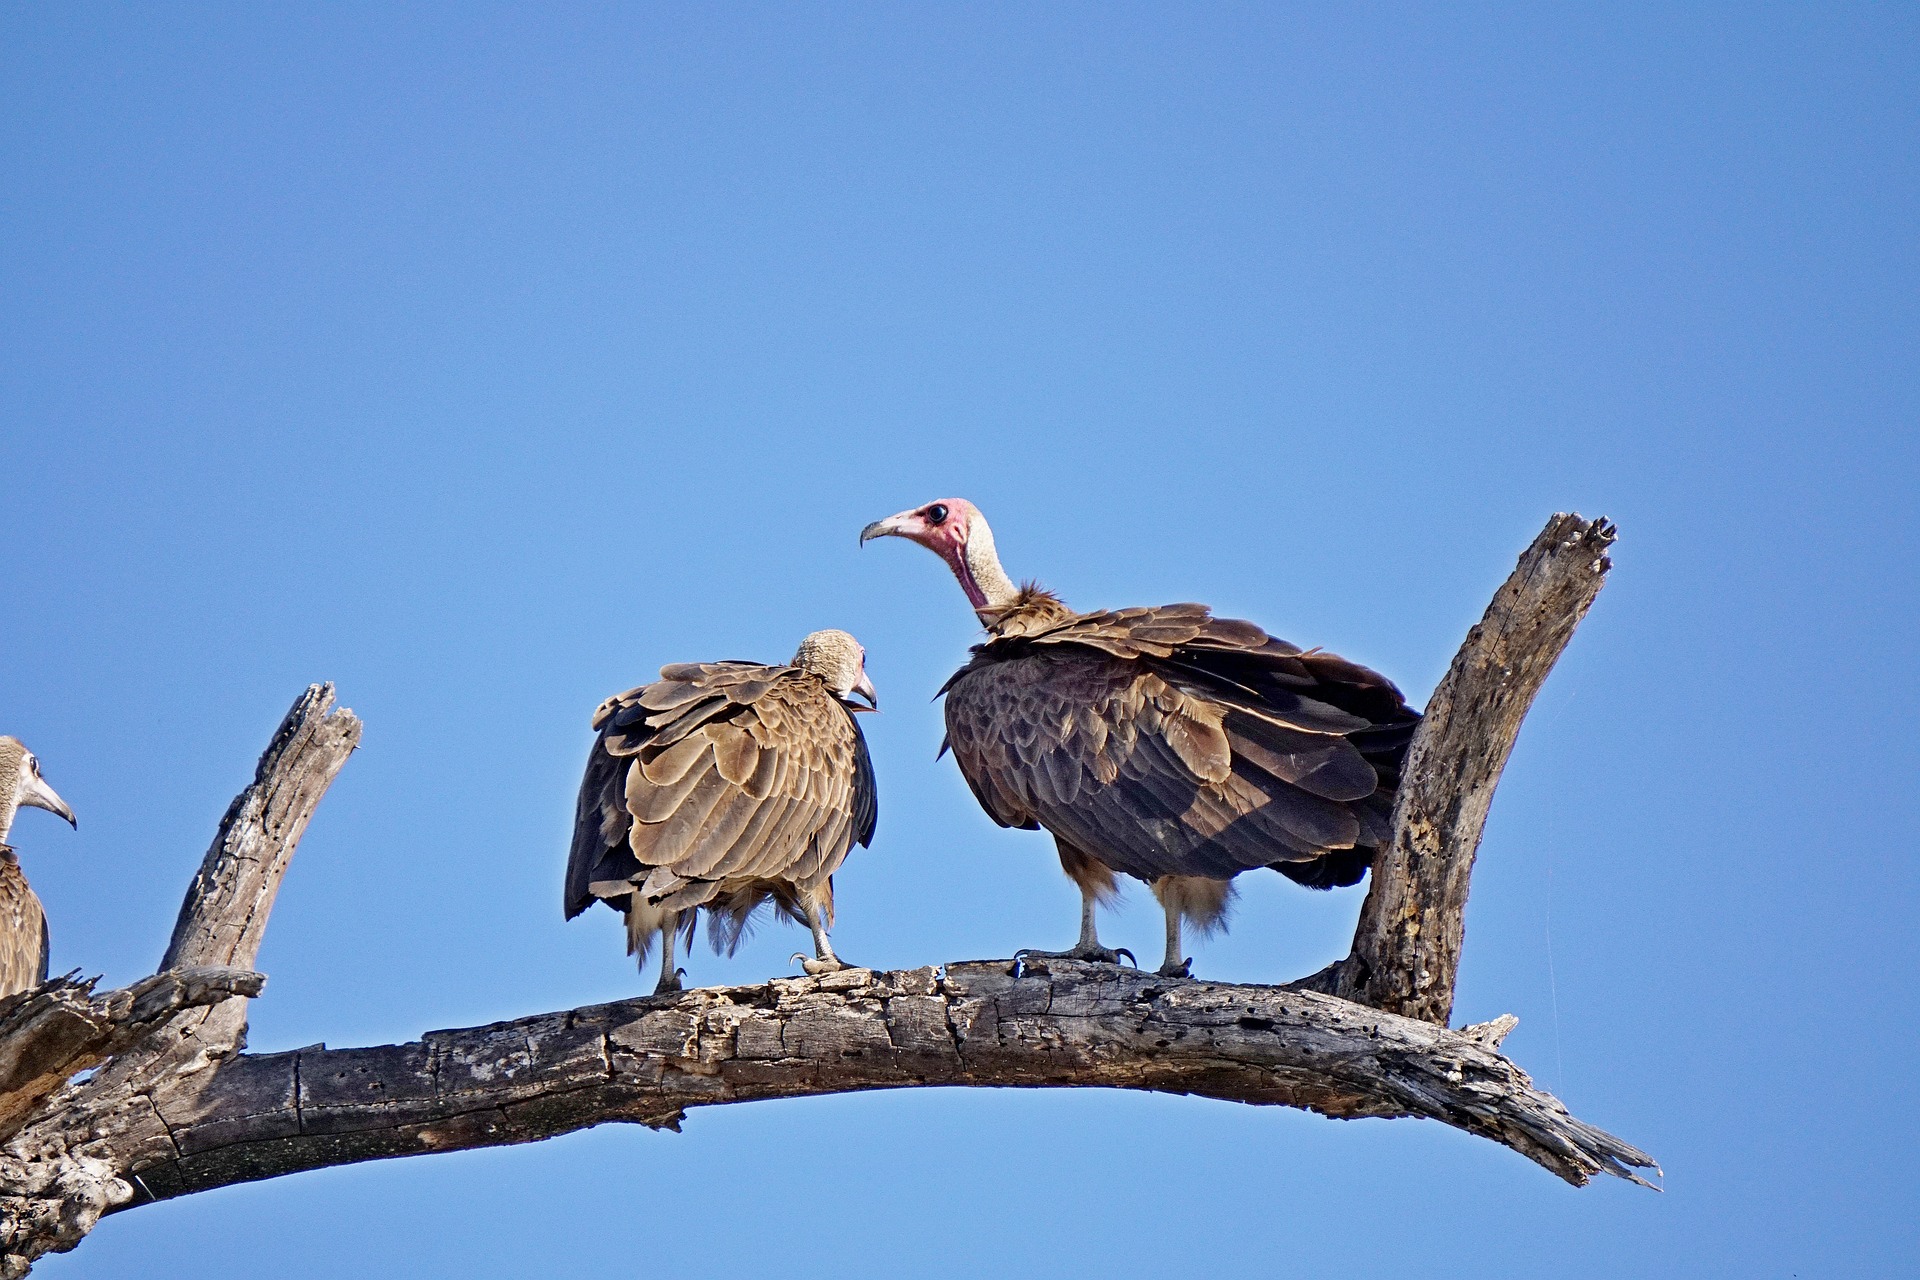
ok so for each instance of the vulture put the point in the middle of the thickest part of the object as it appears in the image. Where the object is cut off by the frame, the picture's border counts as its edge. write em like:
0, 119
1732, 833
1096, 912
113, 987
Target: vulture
23, 925
726, 786
1161, 743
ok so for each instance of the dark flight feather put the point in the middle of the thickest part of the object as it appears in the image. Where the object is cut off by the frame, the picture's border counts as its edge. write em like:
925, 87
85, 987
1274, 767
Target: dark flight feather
724, 786
1165, 741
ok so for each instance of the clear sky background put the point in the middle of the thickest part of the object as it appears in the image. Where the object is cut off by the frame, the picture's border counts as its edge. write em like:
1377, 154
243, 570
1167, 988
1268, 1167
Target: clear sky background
481, 360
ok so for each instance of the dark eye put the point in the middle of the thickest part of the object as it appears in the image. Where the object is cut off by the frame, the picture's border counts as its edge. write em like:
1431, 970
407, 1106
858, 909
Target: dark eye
34, 765
937, 513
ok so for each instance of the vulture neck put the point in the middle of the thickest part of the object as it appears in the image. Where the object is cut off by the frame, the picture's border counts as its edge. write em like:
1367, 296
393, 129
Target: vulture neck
981, 577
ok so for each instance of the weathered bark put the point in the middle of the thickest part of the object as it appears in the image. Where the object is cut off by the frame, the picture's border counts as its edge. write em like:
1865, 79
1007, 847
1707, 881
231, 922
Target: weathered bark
78, 1152
1061, 1023
225, 914
60, 1029
1406, 951
174, 1106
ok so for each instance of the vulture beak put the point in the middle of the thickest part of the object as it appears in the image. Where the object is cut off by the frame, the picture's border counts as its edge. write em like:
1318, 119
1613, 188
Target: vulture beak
864, 687
904, 525
41, 796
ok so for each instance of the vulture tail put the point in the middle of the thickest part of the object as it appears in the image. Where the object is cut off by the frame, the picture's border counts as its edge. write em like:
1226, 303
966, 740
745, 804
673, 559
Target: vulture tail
1334, 870
732, 915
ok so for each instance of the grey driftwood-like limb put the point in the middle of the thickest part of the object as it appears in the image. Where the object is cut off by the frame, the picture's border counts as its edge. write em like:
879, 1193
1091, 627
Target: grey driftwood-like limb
173, 1106
49, 1034
1406, 950
1060, 1023
71, 1144
225, 914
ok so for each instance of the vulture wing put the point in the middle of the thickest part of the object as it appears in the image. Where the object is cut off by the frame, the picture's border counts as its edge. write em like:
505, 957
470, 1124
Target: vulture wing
719, 777
23, 930
1169, 742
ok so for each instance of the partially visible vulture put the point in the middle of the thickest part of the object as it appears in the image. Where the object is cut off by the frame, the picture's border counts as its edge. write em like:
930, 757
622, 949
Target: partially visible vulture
23, 924
1163, 743
725, 786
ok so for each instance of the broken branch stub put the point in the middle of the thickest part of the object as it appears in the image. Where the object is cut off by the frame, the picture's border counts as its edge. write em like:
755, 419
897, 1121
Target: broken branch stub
225, 913
1406, 950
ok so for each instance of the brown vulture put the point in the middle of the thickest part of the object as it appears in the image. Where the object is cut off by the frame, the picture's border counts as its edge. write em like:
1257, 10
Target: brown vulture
23, 925
725, 786
1162, 743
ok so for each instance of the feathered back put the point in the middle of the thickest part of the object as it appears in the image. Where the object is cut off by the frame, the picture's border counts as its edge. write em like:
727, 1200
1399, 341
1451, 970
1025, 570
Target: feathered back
1165, 741
723, 785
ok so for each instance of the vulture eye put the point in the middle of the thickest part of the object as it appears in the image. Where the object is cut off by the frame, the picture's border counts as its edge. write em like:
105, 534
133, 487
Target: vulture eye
937, 513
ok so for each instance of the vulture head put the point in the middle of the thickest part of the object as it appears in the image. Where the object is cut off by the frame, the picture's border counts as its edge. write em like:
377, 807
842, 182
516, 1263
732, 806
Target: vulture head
841, 664
21, 784
954, 530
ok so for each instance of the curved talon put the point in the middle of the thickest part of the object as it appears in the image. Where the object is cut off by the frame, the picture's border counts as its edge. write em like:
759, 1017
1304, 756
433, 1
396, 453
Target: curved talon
801, 956
1085, 955
1182, 970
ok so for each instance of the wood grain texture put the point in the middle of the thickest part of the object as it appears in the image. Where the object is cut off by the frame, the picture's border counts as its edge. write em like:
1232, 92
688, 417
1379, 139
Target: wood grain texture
225, 914
1406, 951
73, 1142
49, 1034
648, 1061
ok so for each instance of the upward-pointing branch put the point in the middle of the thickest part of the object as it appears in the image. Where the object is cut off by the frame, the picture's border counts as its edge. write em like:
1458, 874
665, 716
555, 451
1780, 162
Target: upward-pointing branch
225, 914
1406, 951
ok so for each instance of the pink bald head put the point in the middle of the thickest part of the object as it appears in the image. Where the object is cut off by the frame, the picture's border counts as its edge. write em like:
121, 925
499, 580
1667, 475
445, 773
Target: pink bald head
954, 530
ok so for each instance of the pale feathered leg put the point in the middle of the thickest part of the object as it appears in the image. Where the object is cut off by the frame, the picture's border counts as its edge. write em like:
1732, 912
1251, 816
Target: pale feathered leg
824, 960
1175, 965
669, 974
1199, 900
644, 920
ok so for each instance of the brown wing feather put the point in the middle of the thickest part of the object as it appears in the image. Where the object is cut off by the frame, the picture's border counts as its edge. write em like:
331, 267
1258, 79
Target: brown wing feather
1164, 741
721, 785
23, 930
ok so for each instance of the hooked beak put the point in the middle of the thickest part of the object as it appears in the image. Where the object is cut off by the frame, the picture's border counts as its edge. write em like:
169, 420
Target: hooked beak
864, 687
41, 796
900, 526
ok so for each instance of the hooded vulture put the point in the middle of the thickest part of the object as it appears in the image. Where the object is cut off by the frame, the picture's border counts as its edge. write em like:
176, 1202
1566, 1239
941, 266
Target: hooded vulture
725, 786
1161, 743
23, 925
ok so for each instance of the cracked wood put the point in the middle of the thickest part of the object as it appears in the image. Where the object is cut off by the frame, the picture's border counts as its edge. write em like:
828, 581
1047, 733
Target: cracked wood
1406, 950
1061, 1023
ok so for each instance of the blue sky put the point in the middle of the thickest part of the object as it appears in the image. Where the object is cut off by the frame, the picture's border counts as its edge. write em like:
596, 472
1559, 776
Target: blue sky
483, 359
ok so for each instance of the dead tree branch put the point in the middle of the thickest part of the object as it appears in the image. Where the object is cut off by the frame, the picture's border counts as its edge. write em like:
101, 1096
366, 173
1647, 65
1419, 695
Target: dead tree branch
172, 1105
1406, 952
1060, 1023
225, 914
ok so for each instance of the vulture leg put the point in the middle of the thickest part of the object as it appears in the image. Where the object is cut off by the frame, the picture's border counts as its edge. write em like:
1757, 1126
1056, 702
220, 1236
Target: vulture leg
1201, 900
824, 960
669, 975
1088, 948
1174, 966
643, 921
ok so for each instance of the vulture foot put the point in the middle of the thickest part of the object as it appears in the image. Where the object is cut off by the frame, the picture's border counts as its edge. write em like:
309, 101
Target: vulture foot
669, 982
1171, 970
1094, 954
817, 967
